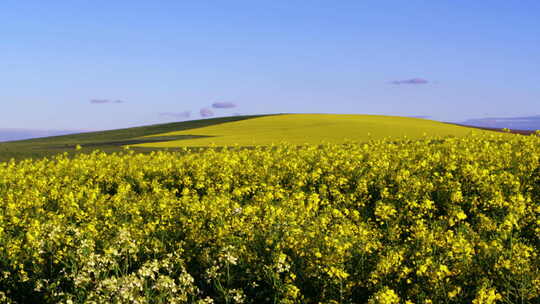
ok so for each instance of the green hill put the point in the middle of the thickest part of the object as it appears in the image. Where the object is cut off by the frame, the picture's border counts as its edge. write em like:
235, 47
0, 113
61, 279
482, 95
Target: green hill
237, 130
308, 128
108, 141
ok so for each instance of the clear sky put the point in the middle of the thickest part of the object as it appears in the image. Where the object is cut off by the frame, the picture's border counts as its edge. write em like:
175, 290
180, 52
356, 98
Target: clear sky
108, 64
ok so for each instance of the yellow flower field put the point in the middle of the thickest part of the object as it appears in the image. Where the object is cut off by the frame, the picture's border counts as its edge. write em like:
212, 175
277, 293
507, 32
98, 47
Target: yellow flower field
429, 220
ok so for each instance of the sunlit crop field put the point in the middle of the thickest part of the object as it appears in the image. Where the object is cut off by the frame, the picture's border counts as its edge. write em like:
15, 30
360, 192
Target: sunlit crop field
310, 129
431, 220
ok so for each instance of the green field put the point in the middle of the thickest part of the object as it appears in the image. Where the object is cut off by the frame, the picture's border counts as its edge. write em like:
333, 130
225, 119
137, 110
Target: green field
309, 129
106, 141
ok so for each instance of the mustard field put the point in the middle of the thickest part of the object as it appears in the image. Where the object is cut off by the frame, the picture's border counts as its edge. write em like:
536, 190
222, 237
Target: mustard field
427, 220
309, 129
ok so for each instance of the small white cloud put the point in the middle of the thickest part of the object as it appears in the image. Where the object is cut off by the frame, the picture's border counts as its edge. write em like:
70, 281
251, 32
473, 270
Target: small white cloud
104, 101
410, 81
185, 114
223, 105
206, 112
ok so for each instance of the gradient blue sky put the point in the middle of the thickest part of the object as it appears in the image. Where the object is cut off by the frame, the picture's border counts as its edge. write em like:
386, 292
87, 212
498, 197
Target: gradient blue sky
480, 58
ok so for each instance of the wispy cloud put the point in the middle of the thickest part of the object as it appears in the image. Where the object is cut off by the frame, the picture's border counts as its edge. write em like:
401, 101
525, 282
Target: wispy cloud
104, 101
410, 81
206, 112
185, 114
223, 105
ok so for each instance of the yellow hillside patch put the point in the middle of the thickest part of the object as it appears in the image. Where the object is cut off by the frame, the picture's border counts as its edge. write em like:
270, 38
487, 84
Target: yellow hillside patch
312, 129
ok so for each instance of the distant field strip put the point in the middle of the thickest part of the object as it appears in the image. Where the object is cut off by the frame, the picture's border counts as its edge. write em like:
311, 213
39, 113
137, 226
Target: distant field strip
107, 141
310, 129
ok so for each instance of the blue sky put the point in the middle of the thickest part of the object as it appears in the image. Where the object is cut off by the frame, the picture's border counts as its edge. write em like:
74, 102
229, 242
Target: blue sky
110, 64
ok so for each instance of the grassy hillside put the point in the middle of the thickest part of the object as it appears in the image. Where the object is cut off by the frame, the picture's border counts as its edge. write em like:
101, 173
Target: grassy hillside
308, 128
108, 141
228, 131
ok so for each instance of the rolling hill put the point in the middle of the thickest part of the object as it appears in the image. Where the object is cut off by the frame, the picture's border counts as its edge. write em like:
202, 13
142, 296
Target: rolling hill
237, 130
107, 141
308, 128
